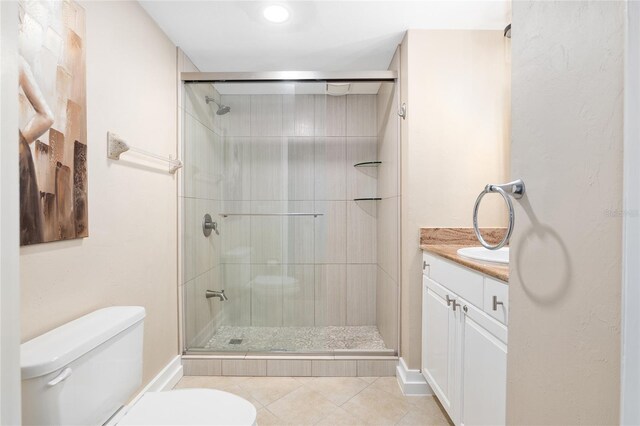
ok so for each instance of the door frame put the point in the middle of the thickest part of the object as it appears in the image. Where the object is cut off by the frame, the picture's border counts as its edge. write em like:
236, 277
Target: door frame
9, 218
630, 350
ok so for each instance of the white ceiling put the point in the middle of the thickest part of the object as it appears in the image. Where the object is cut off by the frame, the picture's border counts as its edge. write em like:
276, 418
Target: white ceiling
319, 36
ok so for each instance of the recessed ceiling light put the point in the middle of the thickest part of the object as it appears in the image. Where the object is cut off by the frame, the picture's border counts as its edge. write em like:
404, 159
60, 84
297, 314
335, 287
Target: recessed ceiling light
276, 13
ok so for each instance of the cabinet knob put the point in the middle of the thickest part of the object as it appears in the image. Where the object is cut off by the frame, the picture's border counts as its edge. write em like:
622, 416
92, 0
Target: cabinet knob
424, 265
454, 304
449, 300
465, 308
496, 303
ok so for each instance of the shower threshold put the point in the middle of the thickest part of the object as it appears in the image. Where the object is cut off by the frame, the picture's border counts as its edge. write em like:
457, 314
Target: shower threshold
333, 340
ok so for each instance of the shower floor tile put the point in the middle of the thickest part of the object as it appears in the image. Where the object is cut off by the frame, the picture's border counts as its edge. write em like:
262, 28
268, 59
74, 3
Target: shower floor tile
296, 339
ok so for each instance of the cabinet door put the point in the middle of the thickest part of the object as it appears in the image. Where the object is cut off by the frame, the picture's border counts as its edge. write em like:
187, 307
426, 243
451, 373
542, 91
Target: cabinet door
438, 344
484, 372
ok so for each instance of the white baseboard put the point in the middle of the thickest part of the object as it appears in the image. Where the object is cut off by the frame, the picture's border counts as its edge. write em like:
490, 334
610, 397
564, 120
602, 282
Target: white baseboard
166, 379
412, 382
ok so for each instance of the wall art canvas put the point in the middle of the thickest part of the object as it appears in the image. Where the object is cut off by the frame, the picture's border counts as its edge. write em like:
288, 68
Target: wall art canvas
53, 121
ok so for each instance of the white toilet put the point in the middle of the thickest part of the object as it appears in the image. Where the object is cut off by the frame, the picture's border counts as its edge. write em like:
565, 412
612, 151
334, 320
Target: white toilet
85, 372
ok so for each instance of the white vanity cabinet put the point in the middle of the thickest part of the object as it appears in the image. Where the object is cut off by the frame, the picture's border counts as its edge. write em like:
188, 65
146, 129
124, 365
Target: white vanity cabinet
464, 341
438, 342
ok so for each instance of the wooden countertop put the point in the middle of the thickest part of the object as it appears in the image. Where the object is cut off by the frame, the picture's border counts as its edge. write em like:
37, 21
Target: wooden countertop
445, 242
449, 251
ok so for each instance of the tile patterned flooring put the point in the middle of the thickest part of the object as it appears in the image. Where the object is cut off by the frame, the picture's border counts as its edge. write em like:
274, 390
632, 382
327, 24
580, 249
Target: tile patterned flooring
327, 400
297, 339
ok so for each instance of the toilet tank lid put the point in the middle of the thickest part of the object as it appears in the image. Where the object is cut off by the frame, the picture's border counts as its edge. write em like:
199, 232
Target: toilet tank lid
60, 346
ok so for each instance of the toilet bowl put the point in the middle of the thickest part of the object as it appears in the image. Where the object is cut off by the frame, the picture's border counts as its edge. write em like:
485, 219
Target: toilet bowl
85, 371
190, 407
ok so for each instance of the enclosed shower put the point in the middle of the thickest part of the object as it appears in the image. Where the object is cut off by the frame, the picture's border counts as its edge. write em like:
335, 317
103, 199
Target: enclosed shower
290, 208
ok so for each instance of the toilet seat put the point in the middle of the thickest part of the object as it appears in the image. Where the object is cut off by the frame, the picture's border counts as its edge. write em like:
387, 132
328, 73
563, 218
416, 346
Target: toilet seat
190, 407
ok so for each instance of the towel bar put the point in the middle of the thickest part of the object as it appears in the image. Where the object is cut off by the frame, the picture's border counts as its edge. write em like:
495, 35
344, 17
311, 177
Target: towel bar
514, 189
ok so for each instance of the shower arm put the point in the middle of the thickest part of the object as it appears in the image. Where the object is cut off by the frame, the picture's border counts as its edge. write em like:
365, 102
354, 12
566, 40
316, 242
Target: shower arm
208, 99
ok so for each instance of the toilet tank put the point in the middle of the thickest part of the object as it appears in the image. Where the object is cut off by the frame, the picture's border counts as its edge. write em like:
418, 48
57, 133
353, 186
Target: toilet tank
82, 372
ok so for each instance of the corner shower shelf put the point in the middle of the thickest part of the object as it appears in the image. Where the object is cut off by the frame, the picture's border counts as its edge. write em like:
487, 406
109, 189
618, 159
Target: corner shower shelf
368, 199
368, 164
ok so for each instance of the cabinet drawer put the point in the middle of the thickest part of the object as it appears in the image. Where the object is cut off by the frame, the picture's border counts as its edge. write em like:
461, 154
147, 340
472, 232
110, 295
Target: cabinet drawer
437, 288
500, 291
485, 321
464, 283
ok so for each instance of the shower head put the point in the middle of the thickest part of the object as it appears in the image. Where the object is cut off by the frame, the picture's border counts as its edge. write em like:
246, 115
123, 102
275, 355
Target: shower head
222, 109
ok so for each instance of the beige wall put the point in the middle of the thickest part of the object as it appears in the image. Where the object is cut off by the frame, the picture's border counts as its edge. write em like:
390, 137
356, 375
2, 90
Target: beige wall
565, 287
130, 255
454, 141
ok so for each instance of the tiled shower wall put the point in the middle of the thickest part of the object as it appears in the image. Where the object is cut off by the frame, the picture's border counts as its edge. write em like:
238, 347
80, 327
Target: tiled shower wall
201, 194
388, 256
295, 154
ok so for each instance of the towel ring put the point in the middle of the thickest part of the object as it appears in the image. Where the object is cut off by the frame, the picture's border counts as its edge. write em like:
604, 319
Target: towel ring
515, 189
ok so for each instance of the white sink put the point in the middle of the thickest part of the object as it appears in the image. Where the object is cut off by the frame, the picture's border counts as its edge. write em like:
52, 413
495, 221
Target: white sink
485, 255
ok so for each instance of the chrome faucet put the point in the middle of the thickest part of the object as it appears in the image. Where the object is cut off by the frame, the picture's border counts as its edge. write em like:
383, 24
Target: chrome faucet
216, 293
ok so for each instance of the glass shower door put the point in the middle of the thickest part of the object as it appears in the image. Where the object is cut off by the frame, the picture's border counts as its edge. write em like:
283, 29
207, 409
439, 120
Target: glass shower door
296, 253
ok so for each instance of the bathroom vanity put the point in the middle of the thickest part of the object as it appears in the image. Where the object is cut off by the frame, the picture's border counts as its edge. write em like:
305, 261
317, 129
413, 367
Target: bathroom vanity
464, 336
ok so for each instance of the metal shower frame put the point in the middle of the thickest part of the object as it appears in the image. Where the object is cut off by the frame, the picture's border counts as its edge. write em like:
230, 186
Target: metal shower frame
284, 76
296, 76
